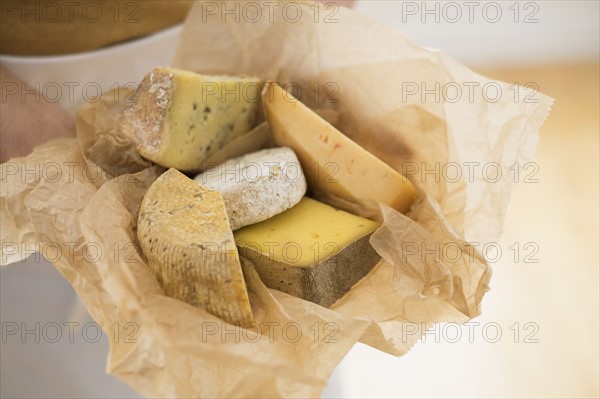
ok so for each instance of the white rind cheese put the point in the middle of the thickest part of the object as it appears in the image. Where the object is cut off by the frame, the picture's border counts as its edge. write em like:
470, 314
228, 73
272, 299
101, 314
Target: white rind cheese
257, 186
184, 233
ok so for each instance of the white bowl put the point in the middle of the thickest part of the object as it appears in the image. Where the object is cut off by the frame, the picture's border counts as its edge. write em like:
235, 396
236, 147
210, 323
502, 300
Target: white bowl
72, 79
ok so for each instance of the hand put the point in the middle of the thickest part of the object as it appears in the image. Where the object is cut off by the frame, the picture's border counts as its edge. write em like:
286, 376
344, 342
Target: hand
27, 120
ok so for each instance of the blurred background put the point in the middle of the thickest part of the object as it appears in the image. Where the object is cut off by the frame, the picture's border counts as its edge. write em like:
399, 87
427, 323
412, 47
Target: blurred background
538, 335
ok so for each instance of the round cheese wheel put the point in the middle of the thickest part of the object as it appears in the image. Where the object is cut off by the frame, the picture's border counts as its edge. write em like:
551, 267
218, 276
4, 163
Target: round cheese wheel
258, 185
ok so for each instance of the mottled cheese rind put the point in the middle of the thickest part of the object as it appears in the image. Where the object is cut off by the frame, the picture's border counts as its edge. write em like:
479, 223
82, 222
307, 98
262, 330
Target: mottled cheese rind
179, 118
337, 170
258, 185
312, 251
184, 232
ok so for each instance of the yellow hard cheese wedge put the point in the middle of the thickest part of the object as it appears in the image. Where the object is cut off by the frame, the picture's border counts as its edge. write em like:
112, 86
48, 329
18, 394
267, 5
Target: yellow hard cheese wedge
184, 232
312, 251
337, 169
179, 118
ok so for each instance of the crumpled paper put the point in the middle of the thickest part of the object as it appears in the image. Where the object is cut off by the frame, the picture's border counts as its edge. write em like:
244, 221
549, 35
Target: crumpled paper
82, 198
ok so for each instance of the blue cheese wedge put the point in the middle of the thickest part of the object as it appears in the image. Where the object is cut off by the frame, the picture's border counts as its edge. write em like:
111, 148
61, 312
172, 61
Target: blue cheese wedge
180, 118
258, 185
184, 233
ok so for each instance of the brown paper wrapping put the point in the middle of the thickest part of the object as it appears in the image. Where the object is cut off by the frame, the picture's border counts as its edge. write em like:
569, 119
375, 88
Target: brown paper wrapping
84, 197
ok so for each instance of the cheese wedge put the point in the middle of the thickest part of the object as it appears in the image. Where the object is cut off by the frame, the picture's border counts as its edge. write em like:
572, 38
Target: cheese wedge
312, 251
258, 185
179, 118
184, 233
338, 170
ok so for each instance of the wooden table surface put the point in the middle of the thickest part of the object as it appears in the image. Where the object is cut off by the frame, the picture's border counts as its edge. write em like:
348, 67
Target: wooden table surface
561, 215
553, 350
